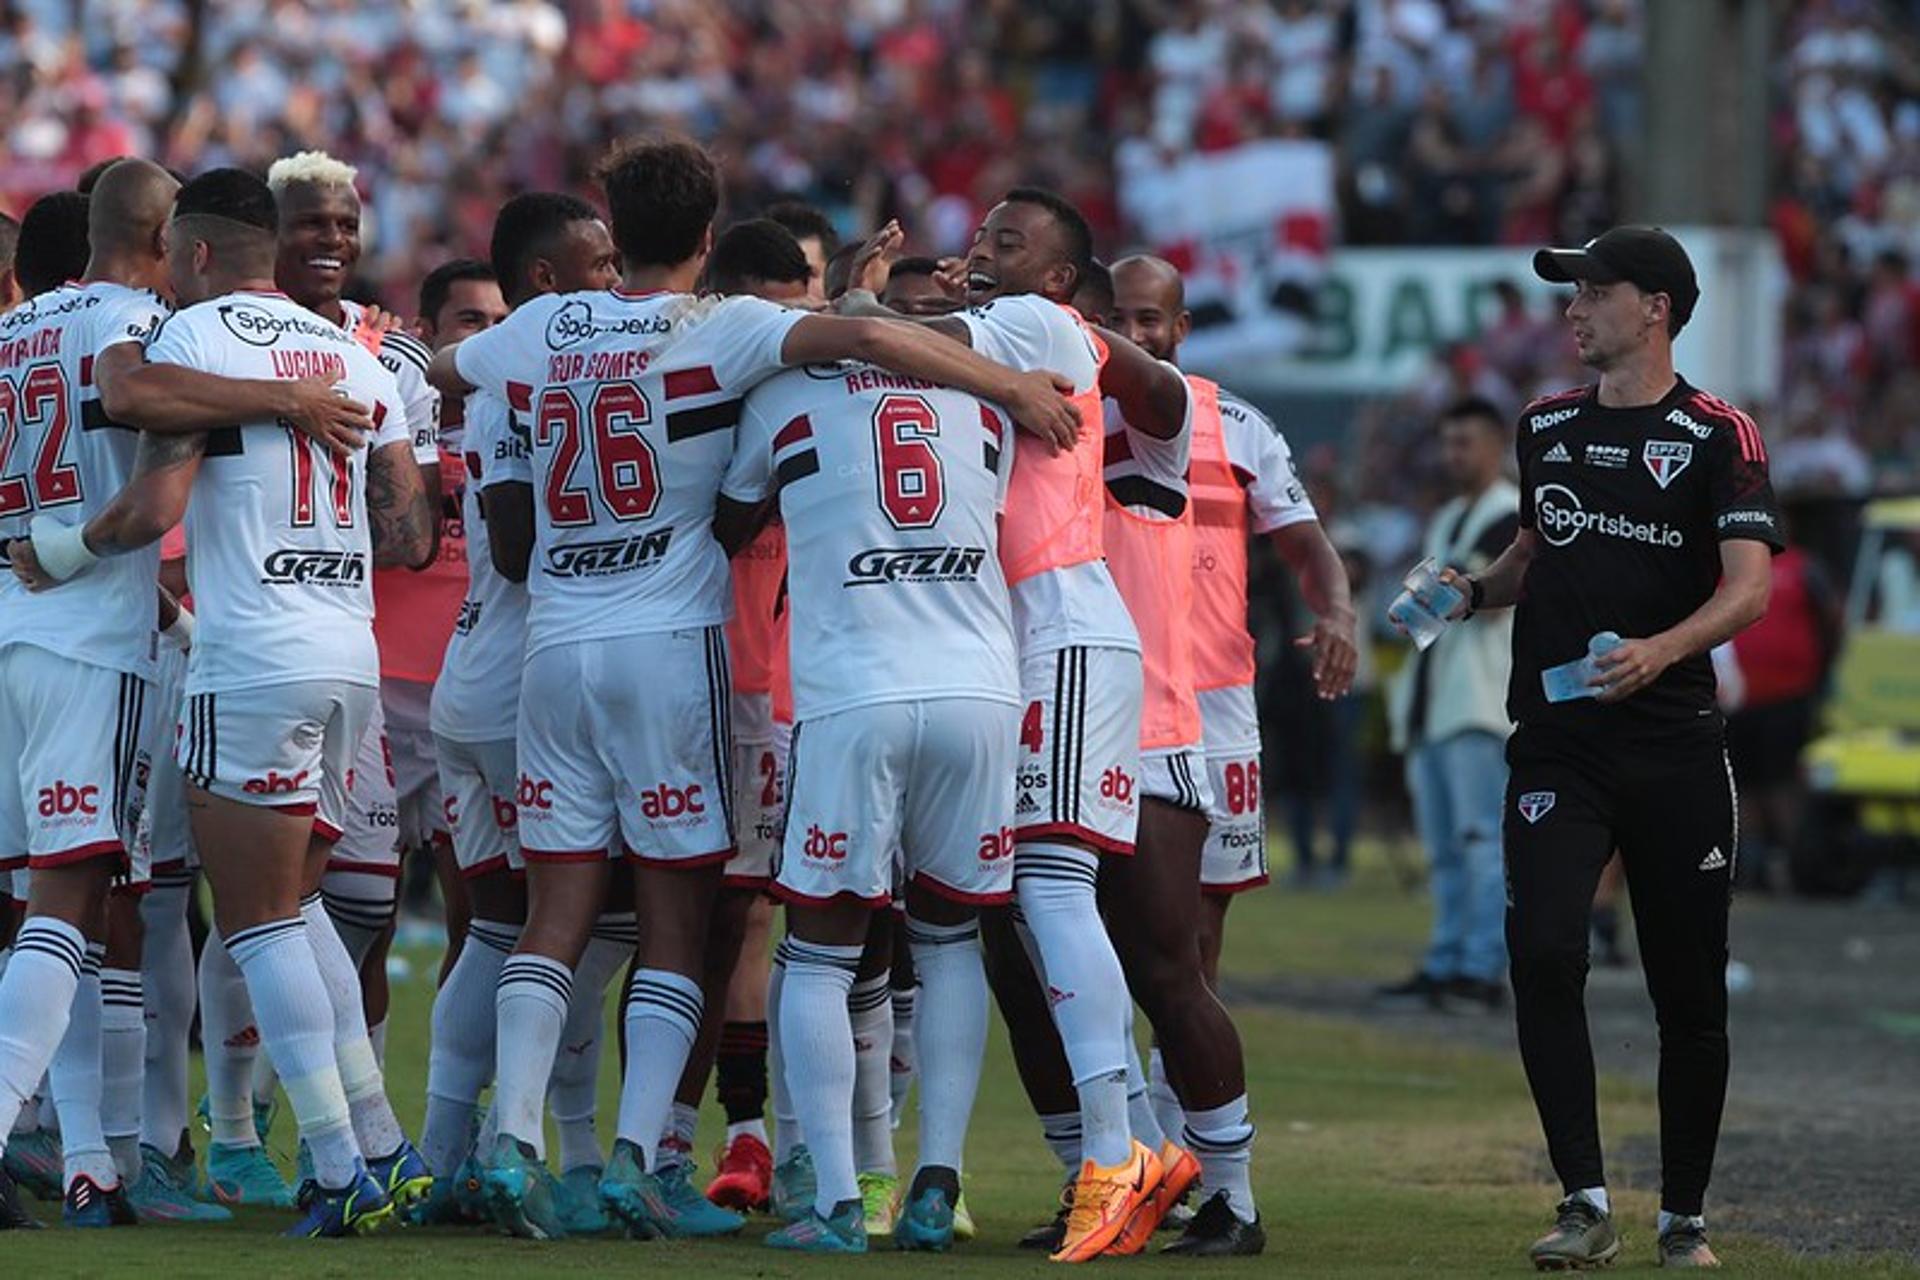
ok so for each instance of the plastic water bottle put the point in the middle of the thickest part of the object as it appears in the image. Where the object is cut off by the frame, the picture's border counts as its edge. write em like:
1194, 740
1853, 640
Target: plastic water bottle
1571, 681
1421, 609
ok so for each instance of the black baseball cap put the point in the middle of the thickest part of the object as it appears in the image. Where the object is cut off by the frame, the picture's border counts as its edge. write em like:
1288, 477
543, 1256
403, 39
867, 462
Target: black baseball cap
1644, 256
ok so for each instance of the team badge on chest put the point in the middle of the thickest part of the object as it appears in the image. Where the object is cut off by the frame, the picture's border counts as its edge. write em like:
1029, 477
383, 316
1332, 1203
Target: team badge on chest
1666, 459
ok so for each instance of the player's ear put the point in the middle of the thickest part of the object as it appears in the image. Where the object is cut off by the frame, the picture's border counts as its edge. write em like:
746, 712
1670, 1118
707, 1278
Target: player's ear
202, 257
541, 276
1182, 326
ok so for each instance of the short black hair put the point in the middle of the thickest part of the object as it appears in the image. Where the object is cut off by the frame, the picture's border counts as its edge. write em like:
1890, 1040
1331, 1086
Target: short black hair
233, 194
526, 227
53, 242
804, 221
1475, 407
758, 249
912, 266
1096, 288
1073, 225
662, 191
838, 276
440, 281
91, 175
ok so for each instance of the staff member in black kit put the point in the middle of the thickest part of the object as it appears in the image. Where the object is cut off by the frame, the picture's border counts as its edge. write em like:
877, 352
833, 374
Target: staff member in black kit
1645, 512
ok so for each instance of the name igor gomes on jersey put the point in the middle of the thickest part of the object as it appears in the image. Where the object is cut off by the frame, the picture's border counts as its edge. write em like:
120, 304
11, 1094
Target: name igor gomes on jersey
632, 401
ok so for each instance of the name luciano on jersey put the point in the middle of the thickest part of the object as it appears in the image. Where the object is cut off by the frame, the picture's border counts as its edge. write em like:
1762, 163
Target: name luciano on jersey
878, 565
615, 555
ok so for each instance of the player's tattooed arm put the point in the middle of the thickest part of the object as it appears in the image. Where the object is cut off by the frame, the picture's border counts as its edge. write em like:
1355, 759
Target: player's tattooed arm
171, 398
399, 512
1151, 393
155, 496
152, 502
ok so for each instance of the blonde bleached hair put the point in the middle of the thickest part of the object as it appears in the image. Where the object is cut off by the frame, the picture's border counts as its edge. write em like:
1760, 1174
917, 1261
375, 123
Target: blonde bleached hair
310, 168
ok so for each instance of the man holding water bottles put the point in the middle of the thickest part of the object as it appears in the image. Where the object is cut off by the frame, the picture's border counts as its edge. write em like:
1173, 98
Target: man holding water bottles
1646, 523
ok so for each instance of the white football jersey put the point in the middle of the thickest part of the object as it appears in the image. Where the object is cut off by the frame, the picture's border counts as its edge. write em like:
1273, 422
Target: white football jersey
477, 697
282, 560
1258, 453
407, 358
1078, 605
632, 400
60, 455
890, 489
1145, 474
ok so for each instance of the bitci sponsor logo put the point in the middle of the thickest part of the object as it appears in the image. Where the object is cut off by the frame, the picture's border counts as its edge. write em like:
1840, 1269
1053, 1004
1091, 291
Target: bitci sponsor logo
1117, 786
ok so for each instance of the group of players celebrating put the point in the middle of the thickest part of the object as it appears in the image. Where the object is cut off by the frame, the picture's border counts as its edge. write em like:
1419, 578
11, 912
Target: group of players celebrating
909, 594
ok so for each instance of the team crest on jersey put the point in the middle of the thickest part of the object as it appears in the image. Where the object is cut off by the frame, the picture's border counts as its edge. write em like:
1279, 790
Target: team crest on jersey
1666, 459
1535, 805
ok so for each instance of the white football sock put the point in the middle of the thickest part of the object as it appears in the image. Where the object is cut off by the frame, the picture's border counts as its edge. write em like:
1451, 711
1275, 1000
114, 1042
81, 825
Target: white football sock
573, 1095
531, 1008
1085, 987
231, 1043
676, 1144
1597, 1197
663, 1018
1160, 1094
786, 1123
361, 906
123, 1054
375, 1126
167, 981
1222, 1140
1062, 1134
75, 1078
377, 1037
818, 1034
296, 1022
36, 1003
870, 1011
460, 1062
1667, 1221
902, 1062
953, 982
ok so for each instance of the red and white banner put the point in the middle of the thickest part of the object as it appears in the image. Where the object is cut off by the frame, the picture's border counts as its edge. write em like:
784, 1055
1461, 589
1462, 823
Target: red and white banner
1249, 227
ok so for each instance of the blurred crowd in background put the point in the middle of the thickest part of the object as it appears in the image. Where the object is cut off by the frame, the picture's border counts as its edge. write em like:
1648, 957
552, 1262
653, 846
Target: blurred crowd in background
1452, 122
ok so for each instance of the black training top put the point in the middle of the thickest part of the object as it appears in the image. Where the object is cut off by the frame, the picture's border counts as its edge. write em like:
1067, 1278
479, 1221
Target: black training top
1630, 507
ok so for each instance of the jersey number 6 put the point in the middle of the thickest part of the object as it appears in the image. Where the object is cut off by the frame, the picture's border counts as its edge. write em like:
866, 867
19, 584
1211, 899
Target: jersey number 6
913, 488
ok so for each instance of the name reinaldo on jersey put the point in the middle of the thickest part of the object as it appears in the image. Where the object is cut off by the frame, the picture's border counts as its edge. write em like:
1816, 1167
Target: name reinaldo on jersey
1562, 517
